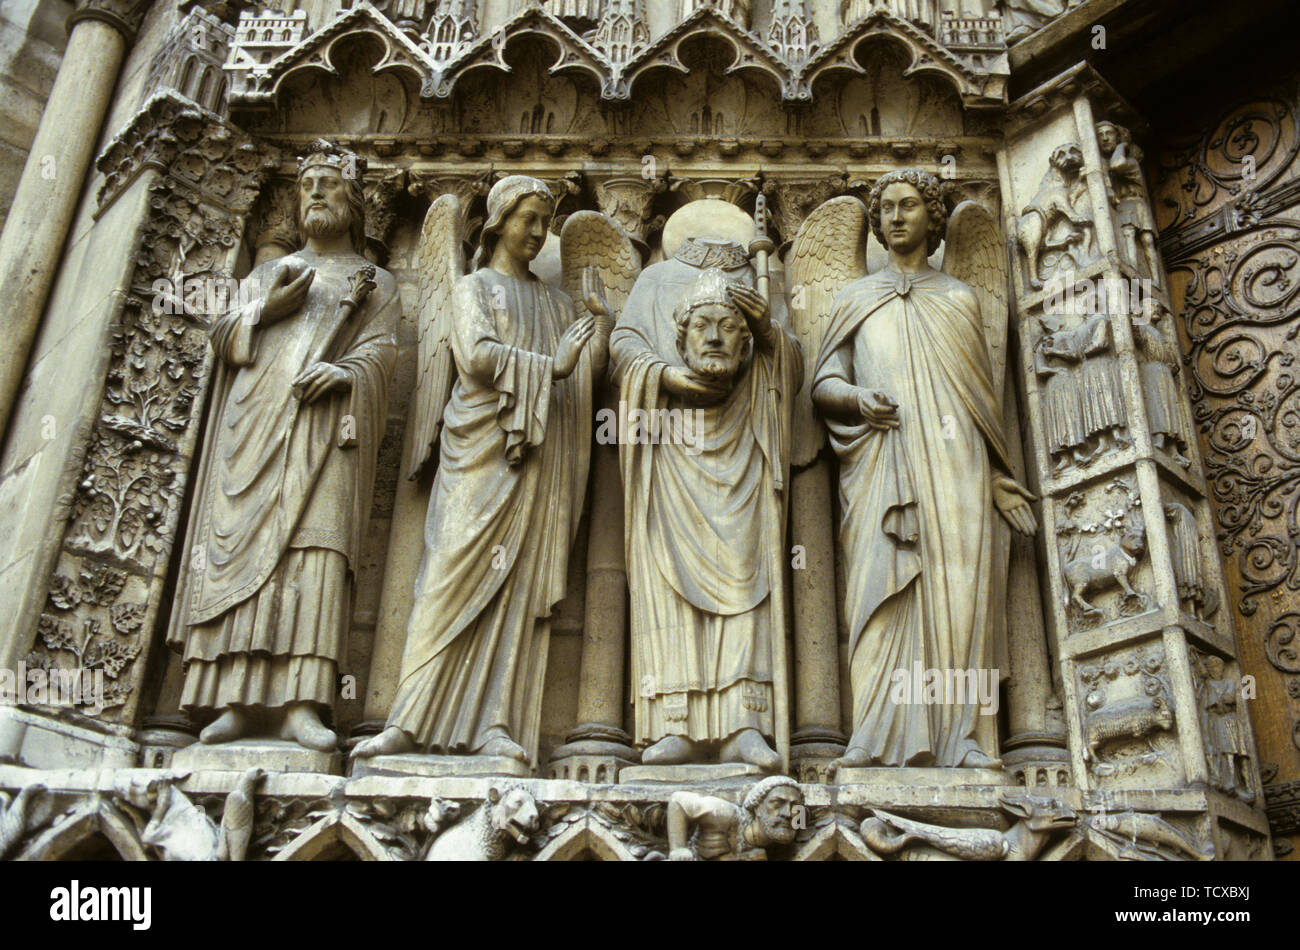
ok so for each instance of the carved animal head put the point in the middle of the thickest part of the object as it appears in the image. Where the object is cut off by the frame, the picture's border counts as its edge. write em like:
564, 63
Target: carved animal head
1040, 813
1067, 159
513, 813
1133, 539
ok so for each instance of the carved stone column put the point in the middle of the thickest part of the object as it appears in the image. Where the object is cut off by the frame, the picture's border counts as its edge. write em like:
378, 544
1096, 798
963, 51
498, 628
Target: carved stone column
817, 738
1130, 562
53, 177
599, 746
178, 185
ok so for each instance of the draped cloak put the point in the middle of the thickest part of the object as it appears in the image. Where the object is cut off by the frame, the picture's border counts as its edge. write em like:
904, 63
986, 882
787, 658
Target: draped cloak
503, 515
925, 548
283, 492
705, 522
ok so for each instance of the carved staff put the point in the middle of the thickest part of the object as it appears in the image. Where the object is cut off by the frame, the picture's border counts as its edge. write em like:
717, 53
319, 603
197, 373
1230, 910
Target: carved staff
761, 246
359, 286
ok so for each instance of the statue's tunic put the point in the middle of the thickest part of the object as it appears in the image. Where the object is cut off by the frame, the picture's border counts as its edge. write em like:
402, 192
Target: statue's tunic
919, 528
1166, 408
283, 494
508, 493
705, 521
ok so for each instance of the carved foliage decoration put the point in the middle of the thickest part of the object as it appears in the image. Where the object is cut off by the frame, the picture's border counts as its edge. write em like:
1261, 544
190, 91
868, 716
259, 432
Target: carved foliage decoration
105, 593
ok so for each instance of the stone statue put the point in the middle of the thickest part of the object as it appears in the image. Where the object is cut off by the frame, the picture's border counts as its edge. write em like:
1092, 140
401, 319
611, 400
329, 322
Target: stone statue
1055, 230
505, 388
1037, 820
299, 403
1057, 357
723, 831
1101, 392
706, 510
909, 379
505, 820
1229, 756
1128, 195
1159, 364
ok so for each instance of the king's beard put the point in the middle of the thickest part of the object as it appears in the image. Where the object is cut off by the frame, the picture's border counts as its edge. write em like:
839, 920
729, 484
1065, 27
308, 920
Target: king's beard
323, 222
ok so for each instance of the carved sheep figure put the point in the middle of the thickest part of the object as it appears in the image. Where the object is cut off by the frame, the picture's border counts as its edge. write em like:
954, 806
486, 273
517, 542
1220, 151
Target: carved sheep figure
503, 821
1111, 565
1135, 718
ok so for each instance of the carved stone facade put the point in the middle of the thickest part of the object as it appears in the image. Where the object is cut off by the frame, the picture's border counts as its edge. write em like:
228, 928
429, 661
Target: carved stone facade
1129, 391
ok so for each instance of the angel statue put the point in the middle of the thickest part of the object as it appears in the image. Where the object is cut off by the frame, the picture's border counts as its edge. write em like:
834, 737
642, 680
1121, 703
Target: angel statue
506, 366
706, 513
912, 400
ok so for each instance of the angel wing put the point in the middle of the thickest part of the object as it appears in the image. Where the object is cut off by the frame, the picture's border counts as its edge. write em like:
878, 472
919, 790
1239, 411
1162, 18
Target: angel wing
589, 239
829, 252
441, 258
976, 255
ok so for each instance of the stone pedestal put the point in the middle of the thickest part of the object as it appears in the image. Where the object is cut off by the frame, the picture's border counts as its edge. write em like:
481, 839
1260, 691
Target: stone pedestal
729, 772
920, 778
273, 755
441, 766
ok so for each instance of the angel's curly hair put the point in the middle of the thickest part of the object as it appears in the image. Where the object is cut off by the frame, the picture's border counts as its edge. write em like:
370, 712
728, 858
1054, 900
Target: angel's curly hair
931, 194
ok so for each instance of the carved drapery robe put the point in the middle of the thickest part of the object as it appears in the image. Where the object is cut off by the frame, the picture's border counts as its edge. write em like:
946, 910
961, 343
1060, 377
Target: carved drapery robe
1056, 360
705, 521
925, 547
283, 494
512, 473
1166, 408
1099, 380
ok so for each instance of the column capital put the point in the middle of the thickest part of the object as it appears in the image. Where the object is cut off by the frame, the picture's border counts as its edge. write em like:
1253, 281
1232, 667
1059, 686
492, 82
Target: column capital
123, 15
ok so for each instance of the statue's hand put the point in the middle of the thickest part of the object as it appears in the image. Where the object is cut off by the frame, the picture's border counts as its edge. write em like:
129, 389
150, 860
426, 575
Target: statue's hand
318, 379
755, 310
681, 854
593, 294
1012, 500
287, 293
878, 410
571, 344
686, 385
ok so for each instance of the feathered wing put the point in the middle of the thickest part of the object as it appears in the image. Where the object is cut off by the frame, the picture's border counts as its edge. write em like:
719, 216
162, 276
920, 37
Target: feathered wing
589, 239
441, 263
828, 253
976, 255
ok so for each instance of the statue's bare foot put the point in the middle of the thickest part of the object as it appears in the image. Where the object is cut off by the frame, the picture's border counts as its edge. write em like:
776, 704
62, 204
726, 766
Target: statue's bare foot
749, 746
854, 758
302, 725
670, 750
392, 741
503, 745
975, 759
230, 725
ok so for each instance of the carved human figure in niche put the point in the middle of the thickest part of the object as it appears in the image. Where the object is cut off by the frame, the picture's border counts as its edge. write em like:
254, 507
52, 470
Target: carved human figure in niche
1229, 756
1057, 359
1100, 388
905, 381
514, 430
299, 403
1055, 230
705, 828
706, 512
1159, 364
1185, 552
1128, 195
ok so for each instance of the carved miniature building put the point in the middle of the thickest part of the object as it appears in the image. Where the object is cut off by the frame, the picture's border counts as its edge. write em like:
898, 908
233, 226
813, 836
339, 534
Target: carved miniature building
1133, 281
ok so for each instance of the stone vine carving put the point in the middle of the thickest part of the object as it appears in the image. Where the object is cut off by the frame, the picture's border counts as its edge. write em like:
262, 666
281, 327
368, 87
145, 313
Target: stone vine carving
123, 514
